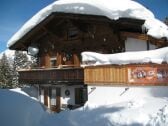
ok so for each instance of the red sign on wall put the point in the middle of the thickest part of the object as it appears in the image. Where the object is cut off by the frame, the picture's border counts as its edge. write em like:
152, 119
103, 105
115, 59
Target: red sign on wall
147, 75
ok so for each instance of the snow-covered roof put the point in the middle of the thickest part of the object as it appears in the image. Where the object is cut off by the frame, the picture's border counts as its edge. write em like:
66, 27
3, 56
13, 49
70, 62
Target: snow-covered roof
152, 56
113, 9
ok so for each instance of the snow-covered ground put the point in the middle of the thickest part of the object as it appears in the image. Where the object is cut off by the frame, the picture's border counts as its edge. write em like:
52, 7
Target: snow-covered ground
19, 107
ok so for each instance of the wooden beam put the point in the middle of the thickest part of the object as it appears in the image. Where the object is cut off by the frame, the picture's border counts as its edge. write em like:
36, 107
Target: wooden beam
37, 36
82, 17
22, 46
157, 42
50, 33
134, 35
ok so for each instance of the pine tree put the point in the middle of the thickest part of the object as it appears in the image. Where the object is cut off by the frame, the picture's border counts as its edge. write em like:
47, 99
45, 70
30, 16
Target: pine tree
9, 68
21, 61
5, 73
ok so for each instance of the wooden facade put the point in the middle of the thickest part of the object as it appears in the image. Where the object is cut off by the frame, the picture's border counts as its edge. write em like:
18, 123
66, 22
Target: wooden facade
106, 74
134, 74
62, 37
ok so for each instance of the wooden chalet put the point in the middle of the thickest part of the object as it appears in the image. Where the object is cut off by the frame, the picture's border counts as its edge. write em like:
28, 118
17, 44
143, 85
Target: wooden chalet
62, 37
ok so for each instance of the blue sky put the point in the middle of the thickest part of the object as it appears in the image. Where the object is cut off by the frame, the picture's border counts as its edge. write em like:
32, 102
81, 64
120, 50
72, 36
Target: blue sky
14, 13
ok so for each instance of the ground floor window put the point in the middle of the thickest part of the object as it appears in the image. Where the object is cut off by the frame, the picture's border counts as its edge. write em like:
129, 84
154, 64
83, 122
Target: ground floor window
53, 96
80, 95
42, 96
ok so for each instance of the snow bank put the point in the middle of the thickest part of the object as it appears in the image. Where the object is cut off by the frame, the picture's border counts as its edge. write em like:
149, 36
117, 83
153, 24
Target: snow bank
112, 9
161, 118
132, 113
18, 109
106, 95
29, 91
154, 56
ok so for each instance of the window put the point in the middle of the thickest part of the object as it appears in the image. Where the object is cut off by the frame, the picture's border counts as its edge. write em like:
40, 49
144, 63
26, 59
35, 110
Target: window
81, 95
53, 61
42, 96
72, 33
53, 97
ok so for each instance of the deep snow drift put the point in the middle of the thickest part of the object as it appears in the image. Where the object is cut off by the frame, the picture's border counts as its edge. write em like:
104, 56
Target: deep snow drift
153, 56
113, 9
17, 108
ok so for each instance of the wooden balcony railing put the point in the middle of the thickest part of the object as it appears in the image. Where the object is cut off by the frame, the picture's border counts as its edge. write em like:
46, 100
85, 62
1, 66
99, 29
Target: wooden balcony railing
52, 76
133, 74
105, 74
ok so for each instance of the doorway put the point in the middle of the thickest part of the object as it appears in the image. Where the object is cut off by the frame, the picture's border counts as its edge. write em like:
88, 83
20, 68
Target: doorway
80, 96
55, 99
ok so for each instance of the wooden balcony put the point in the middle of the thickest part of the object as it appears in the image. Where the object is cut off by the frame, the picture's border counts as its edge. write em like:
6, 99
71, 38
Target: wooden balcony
105, 74
133, 74
52, 76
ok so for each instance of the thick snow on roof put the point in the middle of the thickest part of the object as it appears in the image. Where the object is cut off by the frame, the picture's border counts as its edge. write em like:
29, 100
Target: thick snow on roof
155, 56
113, 9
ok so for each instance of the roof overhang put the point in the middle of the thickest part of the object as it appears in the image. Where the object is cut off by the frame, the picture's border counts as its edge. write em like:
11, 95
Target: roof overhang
38, 30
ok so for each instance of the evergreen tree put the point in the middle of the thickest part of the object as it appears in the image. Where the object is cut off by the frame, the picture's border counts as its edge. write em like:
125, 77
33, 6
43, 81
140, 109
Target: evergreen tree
9, 68
21, 61
5, 73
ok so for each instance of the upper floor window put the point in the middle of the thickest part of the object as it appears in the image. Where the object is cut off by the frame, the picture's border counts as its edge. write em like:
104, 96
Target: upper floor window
72, 33
53, 61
